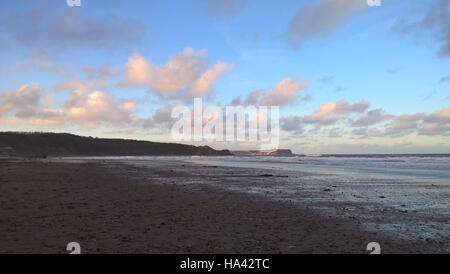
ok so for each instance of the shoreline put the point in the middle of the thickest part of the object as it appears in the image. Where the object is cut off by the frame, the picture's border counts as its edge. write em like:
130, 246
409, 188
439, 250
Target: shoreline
110, 207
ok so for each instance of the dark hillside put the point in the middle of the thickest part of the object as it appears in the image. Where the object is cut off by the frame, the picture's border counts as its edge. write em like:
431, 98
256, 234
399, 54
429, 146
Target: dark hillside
62, 144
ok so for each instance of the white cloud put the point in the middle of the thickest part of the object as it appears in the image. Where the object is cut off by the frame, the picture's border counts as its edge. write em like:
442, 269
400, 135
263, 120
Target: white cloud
184, 75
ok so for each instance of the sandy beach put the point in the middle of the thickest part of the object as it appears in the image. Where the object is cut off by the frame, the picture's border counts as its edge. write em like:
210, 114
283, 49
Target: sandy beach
110, 207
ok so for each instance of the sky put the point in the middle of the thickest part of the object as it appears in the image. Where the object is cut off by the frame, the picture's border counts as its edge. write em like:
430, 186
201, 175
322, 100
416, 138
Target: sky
348, 77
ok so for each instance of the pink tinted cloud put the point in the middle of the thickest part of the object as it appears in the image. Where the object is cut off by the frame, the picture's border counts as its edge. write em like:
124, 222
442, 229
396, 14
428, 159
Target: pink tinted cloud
283, 93
32, 104
183, 76
332, 112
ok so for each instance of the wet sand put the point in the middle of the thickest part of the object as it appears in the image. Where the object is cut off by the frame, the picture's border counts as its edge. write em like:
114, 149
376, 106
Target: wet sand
115, 208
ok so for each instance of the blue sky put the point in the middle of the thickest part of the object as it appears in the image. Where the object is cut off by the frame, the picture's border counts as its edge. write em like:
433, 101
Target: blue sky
149, 54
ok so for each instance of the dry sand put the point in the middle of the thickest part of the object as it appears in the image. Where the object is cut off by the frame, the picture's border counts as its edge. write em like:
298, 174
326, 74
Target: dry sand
44, 205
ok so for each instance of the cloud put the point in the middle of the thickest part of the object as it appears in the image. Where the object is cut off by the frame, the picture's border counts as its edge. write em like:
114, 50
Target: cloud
96, 77
437, 123
203, 85
225, 8
37, 28
100, 72
326, 79
366, 126
137, 71
333, 112
40, 61
306, 98
405, 124
371, 118
393, 70
335, 133
162, 116
183, 76
327, 115
74, 86
364, 132
236, 101
339, 89
22, 103
403, 142
88, 109
444, 80
319, 19
283, 93
252, 98
436, 21
292, 124
99, 76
